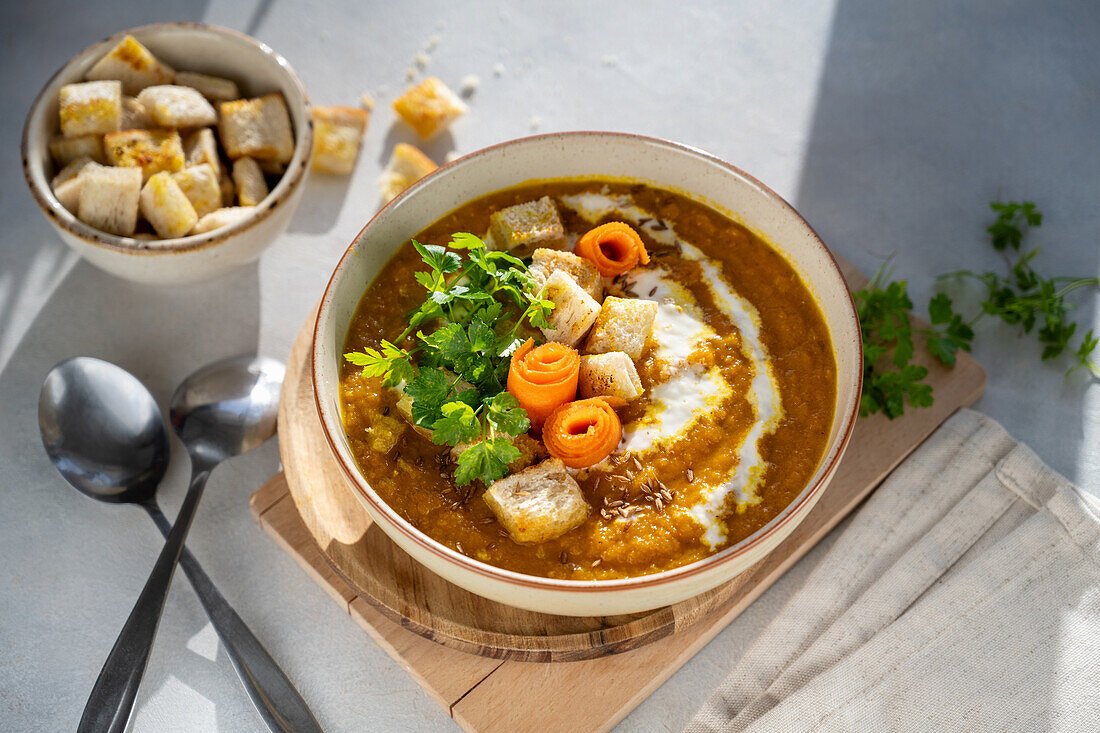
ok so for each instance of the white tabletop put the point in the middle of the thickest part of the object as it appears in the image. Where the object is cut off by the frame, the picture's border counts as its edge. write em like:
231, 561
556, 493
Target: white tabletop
889, 125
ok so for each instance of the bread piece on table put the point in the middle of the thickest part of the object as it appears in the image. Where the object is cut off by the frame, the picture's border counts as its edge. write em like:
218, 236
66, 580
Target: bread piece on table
221, 218
213, 88
174, 106
407, 166
429, 107
525, 227
134, 115
531, 452
258, 128
545, 261
574, 310
68, 183
539, 503
109, 199
132, 64
90, 108
152, 151
610, 375
166, 206
65, 150
200, 185
202, 147
337, 132
623, 325
249, 180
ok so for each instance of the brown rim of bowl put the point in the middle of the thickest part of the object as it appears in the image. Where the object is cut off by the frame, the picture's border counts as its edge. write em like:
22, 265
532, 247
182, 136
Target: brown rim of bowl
292, 177
808, 494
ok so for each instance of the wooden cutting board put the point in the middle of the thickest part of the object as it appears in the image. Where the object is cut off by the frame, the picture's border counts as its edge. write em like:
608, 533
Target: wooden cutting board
472, 655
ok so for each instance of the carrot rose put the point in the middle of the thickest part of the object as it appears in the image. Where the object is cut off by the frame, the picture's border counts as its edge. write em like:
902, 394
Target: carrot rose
582, 433
614, 248
543, 378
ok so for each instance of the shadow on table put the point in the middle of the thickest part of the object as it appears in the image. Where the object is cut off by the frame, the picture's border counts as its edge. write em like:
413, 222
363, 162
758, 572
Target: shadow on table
928, 111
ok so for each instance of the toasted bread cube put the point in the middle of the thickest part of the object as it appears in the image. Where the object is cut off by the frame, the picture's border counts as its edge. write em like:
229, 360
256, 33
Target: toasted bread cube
152, 151
545, 261
574, 309
175, 106
539, 503
90, 108
68, 184
611, 375
249, 179
213, 88
202, 147
109, 199
623, 325
200, 185
337, 132
407, 166
65, 150
531, 452
430, 107
166, 206
134, 115
133, 65
523, 228
258, 128
221, 218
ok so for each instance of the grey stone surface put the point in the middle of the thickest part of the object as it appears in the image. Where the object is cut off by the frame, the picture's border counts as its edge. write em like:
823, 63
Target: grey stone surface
890, 125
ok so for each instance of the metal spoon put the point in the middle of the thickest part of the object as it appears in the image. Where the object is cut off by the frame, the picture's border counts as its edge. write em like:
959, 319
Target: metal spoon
104, 433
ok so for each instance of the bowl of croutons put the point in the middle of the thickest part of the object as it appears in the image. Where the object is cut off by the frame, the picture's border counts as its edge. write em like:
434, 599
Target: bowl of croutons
170, 153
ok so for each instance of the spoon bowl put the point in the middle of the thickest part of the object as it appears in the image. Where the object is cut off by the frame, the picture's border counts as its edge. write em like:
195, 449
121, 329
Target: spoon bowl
103, 430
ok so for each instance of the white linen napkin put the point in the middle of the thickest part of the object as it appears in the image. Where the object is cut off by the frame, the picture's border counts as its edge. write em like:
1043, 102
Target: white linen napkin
969, 500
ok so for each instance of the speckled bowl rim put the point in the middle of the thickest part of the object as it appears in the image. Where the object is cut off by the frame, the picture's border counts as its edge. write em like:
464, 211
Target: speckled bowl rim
794, 510
292, 177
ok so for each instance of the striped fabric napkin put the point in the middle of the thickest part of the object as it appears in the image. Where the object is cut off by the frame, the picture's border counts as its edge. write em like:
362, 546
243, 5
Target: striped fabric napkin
965, 594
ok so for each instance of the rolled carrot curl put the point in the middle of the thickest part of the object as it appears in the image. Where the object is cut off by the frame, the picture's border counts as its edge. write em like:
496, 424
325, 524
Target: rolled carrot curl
582, 433
543, 378
614, 248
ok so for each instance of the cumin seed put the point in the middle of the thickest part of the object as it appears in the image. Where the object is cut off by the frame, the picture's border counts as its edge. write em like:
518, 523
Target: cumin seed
637, 463
564, 557
659, 504
660, 226
691, 476
596, 562
651, 292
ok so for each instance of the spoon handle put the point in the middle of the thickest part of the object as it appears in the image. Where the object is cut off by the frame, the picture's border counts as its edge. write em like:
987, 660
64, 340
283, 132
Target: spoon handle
112, 699
275, 697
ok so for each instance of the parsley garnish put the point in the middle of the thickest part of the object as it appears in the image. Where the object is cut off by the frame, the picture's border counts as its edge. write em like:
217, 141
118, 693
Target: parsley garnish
456, 370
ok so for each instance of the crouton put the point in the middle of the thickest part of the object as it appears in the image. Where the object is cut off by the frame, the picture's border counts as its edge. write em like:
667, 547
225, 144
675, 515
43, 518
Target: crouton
623, 325
611, 375
213, 88
134, 115
539, 503
109, 199
68, 183
175, 106
249, 179
531, 452
133, 65
429, 107
383, 432
166, 206
152, 151
201, 147
407, 166
525, 227
545, 261
574, 310
65, 150
258, 128
221, 218
90, 108
336, 135
200, 185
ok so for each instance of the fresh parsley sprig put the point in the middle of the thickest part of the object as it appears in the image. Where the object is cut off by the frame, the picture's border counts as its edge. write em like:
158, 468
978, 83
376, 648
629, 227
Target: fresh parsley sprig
455, 372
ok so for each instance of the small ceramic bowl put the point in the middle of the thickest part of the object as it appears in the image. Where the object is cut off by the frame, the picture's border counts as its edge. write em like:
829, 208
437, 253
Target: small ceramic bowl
570, 155
190, 47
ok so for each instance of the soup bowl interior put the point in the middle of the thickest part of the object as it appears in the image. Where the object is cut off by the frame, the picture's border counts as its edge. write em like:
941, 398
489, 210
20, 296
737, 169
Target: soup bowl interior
659, 163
